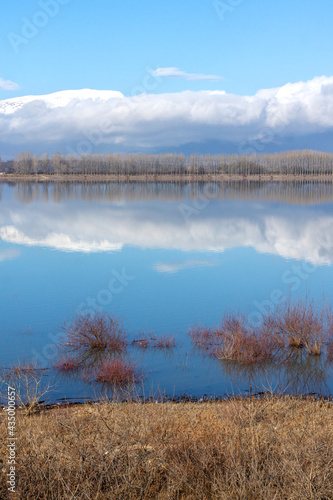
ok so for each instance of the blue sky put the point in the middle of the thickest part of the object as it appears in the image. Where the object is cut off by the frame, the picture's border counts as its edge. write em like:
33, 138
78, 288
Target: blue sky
109, 44
190, 65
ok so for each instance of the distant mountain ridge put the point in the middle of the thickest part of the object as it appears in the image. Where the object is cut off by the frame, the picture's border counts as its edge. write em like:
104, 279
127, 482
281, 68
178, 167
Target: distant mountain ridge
58, 99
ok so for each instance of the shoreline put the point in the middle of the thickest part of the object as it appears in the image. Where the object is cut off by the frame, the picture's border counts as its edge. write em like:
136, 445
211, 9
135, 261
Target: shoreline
164, 178
44, 406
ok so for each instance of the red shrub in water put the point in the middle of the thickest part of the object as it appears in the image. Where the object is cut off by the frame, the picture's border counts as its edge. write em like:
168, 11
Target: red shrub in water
234, 340
67, 364
118, 372
99, 331
300, 324
303, 324
239, 342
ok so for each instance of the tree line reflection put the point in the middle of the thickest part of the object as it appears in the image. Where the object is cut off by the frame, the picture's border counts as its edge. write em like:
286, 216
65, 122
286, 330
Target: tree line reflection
292, 192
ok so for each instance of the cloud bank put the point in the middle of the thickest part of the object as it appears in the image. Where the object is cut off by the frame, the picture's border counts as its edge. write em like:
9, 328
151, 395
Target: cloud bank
92, 121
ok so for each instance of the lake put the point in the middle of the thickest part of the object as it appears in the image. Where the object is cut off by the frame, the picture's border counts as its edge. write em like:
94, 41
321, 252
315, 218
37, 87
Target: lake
163, 257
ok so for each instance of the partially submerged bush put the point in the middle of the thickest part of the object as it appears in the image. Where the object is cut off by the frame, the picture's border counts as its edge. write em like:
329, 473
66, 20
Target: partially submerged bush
303, 324
239, 342
300, 324
118, 372
94, 332
233, 340
67, 364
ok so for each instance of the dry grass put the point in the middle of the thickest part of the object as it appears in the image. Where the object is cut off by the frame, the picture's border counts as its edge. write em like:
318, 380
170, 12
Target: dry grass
274, 448
100, 331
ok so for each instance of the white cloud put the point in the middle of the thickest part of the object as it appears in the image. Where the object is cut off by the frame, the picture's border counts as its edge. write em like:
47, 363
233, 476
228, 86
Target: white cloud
57, 241
8, 85
157, 121
177, 73
175, 267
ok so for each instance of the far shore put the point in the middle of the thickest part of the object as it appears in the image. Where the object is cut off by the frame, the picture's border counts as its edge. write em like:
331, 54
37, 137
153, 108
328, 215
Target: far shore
14, 178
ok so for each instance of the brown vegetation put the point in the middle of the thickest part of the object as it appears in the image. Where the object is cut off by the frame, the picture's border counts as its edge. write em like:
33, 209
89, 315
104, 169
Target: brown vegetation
234, 340
255, 449
67, 364
30, 382
303, 324
118, 372
94, 332
299, 324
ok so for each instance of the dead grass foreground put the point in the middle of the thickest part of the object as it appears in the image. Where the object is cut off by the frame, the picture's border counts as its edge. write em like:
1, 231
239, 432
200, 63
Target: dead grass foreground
274, 448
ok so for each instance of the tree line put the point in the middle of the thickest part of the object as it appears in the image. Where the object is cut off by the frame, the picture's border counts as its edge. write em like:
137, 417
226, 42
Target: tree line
303, 162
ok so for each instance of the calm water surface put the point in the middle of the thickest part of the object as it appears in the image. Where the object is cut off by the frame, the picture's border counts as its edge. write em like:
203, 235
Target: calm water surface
163, 257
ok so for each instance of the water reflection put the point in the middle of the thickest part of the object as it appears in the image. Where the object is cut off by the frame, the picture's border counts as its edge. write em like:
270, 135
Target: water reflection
293, 192
195, 251
294, 373
190, 220
299, 374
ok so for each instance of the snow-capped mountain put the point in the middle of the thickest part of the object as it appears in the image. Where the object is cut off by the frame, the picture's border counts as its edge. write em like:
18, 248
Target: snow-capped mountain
58, 99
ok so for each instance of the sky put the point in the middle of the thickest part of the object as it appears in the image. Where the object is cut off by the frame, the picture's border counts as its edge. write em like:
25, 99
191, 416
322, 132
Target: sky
165, 48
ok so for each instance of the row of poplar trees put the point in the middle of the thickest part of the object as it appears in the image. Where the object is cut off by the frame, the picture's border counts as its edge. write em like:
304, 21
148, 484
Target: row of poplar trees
304, 162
